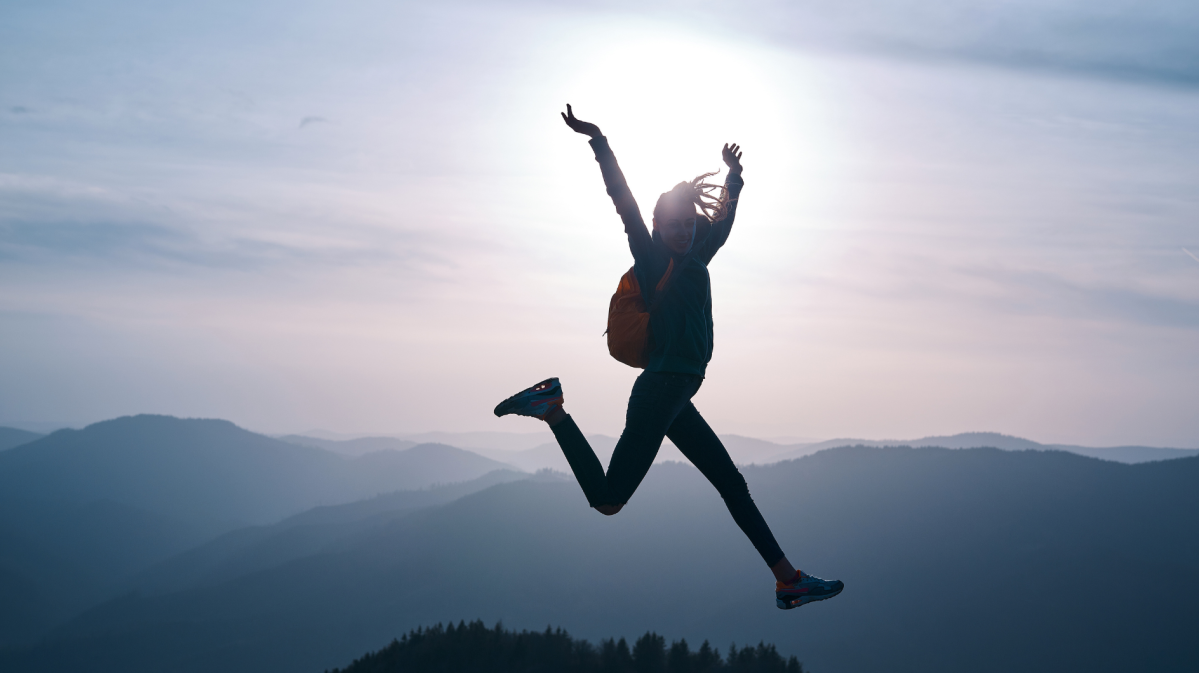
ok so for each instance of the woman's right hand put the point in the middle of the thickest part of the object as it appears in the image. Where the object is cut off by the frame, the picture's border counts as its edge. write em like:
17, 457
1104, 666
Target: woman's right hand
580, 126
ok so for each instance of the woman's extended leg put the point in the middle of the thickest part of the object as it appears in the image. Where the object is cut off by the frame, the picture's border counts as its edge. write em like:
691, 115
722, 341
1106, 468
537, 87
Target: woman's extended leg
696, 440
690, 432
655, 401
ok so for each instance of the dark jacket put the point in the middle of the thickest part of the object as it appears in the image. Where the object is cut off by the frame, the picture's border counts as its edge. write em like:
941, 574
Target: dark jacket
681, 322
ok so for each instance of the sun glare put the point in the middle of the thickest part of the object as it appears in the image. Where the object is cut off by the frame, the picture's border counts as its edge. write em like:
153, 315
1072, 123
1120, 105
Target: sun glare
669, 101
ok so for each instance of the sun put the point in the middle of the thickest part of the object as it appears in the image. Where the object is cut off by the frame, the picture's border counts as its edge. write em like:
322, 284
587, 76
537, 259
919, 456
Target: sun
669, 100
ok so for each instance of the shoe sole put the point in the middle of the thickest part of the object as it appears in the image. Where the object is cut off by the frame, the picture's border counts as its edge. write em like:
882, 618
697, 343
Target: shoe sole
804, 600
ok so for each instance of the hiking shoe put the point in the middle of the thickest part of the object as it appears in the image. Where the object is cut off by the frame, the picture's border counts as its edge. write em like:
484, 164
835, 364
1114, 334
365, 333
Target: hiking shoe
536, 401
807, 589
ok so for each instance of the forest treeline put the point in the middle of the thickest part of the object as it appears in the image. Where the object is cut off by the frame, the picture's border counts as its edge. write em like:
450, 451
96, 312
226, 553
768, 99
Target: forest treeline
475, 648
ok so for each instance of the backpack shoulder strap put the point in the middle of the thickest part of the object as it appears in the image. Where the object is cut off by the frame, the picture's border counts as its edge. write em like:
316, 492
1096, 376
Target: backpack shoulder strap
659, 291
665, 276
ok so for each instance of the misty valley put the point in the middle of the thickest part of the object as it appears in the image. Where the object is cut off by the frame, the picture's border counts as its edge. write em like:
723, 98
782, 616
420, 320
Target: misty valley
152, 543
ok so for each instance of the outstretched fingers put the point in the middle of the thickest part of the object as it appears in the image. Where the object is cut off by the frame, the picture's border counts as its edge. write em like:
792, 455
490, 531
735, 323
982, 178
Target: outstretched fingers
732, 155
579, 126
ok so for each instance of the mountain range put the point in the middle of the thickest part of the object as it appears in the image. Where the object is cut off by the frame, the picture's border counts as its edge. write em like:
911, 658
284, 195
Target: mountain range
213, 472
152, 543
980, 560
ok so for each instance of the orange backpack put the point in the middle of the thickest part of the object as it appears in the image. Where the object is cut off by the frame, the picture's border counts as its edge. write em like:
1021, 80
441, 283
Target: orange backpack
629, 338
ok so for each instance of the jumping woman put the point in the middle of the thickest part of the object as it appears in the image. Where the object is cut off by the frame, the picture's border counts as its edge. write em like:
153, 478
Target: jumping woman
670, 274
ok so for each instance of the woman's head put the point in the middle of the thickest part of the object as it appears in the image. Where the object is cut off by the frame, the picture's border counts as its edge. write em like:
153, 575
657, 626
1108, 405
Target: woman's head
676, 212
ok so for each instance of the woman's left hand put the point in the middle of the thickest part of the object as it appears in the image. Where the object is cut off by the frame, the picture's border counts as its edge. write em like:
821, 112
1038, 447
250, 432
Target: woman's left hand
732, 157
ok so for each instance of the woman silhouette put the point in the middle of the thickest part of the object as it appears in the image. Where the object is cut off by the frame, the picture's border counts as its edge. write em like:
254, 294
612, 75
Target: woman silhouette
690, 223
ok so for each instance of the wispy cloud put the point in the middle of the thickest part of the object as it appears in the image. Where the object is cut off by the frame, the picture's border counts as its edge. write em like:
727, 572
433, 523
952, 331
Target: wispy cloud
1191, 254
308, 121
1151, 41
1047, 294
127, 245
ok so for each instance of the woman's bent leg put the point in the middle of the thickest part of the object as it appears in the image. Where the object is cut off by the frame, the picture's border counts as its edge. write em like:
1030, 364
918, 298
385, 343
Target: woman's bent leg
583, 462
695, 439
655, 401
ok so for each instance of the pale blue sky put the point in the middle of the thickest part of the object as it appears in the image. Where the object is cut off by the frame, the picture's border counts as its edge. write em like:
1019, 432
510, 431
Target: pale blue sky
367, 216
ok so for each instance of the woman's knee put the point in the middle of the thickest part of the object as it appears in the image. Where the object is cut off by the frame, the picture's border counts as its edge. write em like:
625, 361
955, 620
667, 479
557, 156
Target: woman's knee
609, 510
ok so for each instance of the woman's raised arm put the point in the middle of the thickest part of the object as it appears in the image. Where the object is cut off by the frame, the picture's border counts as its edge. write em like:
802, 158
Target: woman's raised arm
618, 189
733, 183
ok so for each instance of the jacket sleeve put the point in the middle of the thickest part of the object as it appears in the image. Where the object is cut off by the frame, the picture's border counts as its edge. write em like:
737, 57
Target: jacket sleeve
622, 198
720, 230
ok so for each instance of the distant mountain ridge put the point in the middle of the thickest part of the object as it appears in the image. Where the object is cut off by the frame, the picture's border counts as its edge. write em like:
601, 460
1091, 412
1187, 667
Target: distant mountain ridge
351, 447
212, 470
10, 437
995, 440
744, 450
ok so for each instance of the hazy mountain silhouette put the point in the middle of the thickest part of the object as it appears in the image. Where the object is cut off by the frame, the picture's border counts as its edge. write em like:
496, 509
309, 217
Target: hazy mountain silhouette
257, 548
979, 560
10, 437
744, 451
1127, 454
750, 450
993, 440
472, 441
548, 456
213, 472
351, 447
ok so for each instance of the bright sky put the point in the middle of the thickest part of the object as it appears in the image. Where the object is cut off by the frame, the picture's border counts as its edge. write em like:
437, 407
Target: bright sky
368, 217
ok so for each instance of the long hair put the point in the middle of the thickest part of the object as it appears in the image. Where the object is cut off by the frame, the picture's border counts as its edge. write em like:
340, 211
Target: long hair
711, 200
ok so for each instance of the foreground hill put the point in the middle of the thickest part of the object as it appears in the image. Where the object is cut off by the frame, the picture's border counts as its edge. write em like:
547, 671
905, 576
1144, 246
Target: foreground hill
214, 472
979, 560
58, 558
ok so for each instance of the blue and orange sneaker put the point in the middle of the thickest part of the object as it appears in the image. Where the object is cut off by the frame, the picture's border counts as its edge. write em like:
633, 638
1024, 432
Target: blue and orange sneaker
806, 589
536, 401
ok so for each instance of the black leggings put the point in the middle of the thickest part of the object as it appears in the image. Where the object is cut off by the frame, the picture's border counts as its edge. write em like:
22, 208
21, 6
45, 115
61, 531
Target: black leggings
660, 406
